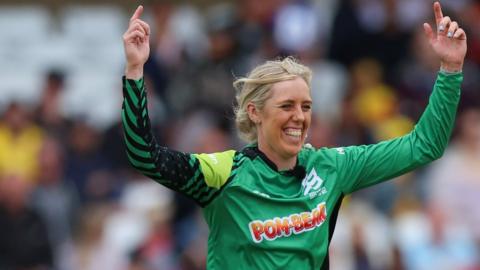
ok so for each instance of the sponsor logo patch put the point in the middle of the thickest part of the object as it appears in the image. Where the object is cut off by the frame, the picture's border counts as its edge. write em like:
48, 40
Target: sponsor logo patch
297, 223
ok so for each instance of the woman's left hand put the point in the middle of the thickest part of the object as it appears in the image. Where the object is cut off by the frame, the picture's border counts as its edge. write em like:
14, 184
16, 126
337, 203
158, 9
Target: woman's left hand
450, 42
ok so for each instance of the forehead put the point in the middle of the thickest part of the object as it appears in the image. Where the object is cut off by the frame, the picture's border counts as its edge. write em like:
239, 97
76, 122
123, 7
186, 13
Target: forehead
295, 89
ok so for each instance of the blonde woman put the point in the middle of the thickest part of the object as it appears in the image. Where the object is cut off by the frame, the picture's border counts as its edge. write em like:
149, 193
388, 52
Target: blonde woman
273, 204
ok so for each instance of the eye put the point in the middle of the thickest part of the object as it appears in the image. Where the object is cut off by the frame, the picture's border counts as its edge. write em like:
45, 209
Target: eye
286, 106
306, 107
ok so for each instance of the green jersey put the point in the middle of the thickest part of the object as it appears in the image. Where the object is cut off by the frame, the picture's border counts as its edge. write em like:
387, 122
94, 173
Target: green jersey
263, 218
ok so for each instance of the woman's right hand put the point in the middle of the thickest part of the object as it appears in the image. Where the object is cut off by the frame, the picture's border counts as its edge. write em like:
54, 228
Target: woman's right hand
136, 45
450, 41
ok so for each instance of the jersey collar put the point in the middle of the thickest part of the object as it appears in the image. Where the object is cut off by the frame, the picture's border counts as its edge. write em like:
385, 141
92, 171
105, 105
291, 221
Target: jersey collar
252, 151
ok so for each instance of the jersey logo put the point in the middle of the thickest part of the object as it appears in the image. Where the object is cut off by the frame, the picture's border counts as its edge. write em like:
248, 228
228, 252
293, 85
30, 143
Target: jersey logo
213, 158
340, 150
297, 223
311, 183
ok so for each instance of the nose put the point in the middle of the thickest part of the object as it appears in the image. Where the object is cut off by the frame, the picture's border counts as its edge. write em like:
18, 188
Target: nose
299, 114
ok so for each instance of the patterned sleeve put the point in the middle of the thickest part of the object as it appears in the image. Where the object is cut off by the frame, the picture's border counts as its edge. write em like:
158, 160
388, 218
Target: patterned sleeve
178, 171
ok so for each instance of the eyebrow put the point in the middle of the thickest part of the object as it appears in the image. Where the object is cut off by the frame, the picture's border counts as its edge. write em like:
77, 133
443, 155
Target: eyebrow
293, 101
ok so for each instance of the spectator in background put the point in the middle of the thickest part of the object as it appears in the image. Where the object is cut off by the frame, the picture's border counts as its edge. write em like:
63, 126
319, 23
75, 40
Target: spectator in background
178, 41
224, 59
299, 30
91, 250
208, 75
157, 251
418, 70
454, 181
202, 131
87, 166
471, 14
24, 242
426, 240
55, 199
375, 103
362, 239
374, 28
20, 143
48, 113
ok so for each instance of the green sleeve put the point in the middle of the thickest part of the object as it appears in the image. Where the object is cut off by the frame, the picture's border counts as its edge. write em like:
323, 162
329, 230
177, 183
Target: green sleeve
196, 176
362, 166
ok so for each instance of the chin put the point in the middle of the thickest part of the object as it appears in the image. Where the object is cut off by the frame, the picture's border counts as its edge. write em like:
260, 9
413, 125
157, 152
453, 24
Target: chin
293, 150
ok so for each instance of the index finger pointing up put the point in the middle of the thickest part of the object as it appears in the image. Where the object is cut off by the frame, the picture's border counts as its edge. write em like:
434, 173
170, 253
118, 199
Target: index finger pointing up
437, 9
137, 14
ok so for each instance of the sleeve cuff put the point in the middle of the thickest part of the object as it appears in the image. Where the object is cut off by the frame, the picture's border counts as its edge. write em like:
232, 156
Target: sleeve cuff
137, 86
449, 80
448, 73
137, 82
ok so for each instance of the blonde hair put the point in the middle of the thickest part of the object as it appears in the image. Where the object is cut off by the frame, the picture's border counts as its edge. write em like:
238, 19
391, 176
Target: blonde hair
255, 88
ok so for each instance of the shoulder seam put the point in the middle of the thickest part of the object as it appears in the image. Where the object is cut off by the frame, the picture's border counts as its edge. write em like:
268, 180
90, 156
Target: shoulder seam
238, 156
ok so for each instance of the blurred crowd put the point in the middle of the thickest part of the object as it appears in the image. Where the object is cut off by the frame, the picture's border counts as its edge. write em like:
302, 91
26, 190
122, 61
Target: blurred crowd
70, 200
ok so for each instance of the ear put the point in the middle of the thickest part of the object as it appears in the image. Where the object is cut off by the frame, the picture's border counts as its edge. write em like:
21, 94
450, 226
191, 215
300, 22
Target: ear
253, 113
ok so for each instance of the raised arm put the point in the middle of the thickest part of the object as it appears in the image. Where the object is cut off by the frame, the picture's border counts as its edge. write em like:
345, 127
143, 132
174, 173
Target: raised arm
136, 42
362, 166
198, 176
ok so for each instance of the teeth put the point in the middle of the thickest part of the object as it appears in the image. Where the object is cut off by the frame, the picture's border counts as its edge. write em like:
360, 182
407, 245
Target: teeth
294, 132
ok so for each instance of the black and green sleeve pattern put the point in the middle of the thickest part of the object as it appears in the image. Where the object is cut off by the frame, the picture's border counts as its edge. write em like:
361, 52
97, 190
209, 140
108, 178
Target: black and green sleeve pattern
176, 170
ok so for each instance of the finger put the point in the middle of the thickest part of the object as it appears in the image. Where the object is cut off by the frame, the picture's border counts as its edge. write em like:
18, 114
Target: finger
437, 10
139, 27
139, 40
428, 31
134, 26
130, 31
133, 36
460, 34
144, 25
444, 24
451, 29
137, 13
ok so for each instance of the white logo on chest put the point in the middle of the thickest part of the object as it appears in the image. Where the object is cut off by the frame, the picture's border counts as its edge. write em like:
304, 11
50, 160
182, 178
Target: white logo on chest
312, 183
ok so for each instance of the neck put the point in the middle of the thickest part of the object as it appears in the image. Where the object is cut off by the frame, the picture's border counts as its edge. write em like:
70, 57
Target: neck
282, 163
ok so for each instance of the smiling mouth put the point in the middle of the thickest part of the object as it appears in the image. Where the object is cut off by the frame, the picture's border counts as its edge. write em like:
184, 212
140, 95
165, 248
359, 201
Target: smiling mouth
294, 132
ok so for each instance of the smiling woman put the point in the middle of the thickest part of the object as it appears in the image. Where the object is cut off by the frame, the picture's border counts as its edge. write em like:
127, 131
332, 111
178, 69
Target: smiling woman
271, 114
274, 203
